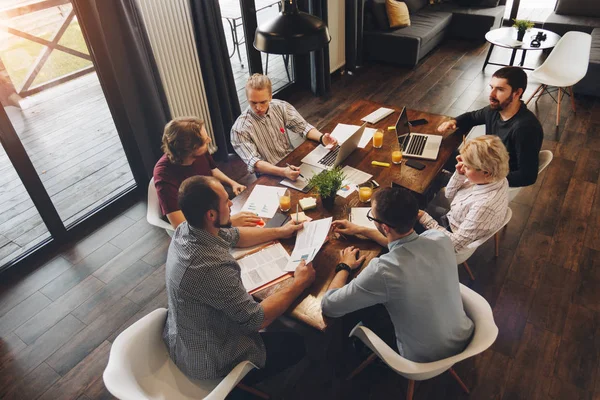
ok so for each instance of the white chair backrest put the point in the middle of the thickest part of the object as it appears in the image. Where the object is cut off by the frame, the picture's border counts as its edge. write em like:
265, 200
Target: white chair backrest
546, 157
154, 213
470, 249
486, 331
570, 57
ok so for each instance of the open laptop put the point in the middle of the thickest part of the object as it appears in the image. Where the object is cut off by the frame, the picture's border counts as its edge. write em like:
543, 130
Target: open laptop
330, 158
417, 145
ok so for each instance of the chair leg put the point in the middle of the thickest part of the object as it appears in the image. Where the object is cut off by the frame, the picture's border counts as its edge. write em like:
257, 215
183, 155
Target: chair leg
253, 391
411, 390
469, 271
534, 93
543, 88
558, 106
572, 98
497, 240
460, 382
362, 366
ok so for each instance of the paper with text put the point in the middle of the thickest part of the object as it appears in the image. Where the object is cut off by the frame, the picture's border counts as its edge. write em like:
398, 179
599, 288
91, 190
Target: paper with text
309, 241
358, 216
354, 177
307, 171
262, 267
263, 200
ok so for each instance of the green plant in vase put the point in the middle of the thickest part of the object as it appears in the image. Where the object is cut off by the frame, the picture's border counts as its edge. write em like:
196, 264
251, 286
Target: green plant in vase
327, 183
522, 25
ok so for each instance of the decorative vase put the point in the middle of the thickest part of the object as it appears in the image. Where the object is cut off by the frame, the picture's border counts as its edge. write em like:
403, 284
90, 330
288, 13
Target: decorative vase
520, 35
328, 202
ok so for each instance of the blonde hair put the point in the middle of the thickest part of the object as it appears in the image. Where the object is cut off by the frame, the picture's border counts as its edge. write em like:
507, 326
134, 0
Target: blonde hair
181, 137
486, 153
259, 82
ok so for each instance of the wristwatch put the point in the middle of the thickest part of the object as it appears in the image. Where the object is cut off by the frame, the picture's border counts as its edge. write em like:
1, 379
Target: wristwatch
343, 266
321, 139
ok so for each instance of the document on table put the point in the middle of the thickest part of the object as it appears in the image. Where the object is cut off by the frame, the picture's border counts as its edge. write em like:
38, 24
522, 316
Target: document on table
262, 267
354, 177
264, 200
358, 215
343, 131
307, 171
308, 242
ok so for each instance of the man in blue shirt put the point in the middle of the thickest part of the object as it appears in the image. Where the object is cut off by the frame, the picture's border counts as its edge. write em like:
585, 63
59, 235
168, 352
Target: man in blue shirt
416, 281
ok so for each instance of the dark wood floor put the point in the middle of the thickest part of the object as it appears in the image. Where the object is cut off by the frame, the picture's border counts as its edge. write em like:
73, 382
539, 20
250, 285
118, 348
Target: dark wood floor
57, 320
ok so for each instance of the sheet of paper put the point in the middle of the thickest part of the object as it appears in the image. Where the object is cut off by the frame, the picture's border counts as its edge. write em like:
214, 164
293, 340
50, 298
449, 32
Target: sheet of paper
343, 131
264, 266
358, 215
309, 241
263, 200
354, 177
307, 171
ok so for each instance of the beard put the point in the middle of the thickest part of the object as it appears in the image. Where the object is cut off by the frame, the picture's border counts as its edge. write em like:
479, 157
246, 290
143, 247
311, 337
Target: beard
497, 105
218, 224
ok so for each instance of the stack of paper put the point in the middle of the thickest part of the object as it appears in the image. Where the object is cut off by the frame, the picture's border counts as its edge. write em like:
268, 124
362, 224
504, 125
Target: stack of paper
354, 177
264, 200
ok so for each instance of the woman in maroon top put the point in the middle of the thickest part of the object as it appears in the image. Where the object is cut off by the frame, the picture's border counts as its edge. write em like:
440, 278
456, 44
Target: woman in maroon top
185, 144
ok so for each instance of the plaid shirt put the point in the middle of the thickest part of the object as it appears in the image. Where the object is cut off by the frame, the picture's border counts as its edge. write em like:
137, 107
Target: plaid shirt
212, 323
476, 212
265, 138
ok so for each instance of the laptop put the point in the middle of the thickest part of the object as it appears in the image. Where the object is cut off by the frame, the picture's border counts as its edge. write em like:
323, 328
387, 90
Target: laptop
417, 145
328, 159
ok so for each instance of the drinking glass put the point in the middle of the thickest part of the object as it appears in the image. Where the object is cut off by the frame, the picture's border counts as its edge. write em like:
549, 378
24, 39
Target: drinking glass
285, 201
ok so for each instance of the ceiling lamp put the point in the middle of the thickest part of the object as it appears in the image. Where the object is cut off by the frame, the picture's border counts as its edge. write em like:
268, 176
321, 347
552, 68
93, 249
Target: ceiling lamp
291, 32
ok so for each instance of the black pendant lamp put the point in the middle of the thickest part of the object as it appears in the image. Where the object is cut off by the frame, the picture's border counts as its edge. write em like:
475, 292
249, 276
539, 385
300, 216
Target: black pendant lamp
291, 32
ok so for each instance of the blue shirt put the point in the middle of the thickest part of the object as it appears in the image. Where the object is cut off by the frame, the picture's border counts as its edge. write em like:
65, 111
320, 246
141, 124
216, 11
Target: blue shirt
417, 282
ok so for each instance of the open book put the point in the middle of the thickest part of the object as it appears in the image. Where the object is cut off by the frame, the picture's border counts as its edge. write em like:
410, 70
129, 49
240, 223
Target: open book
262, 266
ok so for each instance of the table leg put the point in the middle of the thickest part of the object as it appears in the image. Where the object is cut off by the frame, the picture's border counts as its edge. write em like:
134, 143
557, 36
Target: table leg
523, 58
487, 58
232, 37
512, 57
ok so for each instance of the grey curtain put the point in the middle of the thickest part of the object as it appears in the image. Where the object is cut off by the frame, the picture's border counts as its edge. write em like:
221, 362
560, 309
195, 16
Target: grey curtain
217, 74
129, 78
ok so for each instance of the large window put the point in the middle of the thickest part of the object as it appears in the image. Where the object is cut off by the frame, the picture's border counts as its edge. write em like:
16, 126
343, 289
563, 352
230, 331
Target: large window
533, 10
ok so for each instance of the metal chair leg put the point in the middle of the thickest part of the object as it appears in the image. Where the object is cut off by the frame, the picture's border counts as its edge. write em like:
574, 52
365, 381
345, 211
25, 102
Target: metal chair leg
534, 93
469, 270
558, 106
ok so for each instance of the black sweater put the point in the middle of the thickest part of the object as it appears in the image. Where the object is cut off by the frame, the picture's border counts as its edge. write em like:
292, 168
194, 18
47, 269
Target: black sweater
522, 135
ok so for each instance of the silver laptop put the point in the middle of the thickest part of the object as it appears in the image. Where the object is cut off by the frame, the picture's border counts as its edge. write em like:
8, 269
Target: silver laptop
328, 159
416, 145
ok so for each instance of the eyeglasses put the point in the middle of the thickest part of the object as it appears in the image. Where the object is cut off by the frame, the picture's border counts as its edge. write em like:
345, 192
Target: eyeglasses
371, 218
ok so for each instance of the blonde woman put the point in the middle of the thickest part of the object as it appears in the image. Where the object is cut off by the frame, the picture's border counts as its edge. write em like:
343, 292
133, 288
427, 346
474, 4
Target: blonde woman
185, 144
478, 192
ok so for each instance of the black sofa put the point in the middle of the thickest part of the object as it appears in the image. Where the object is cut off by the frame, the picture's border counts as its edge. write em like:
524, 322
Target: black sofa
582, 16
430, 24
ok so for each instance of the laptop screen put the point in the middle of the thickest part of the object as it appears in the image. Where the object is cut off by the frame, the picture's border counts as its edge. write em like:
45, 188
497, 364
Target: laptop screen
402, 128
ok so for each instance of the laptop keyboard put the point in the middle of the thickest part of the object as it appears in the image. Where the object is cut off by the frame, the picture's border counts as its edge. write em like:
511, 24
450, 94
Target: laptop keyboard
330, 157
417, 145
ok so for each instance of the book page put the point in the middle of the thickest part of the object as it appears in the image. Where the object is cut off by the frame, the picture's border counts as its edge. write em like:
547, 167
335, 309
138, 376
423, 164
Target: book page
264, 266
309, 241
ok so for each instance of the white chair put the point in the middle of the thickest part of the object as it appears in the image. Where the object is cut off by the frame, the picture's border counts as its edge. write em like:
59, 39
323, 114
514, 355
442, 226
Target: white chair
154, 213
463, 256
486, 331
139, 368
546, 157
564, 67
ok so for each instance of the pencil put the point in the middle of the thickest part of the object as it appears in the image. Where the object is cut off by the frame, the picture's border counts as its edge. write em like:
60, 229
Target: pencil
296, 212
290, 167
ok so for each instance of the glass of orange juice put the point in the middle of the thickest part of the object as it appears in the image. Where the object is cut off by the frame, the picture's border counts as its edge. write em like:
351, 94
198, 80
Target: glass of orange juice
397, 156
378, 139
285, 201
365, 192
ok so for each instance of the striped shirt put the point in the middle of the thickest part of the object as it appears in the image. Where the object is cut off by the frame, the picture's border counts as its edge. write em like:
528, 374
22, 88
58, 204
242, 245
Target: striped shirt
266, 138
212, 323
476, 211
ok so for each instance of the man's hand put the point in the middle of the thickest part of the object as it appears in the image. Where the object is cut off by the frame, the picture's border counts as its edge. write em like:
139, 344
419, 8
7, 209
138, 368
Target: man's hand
460, 167
420, 214
289, 229
304, 275
237, 188
245, 219
349, 256
291, 172
329, 140
346, 227
447, 127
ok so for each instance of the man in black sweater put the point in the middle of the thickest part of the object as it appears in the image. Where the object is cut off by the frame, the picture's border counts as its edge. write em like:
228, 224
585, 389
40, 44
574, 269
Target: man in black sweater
508, 117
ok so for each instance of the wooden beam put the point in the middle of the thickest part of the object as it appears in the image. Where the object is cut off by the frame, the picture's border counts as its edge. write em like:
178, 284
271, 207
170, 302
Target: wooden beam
11, 12
44, 42
57, 81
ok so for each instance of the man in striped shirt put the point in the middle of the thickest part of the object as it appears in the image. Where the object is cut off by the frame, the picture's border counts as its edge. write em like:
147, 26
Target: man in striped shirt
261, 134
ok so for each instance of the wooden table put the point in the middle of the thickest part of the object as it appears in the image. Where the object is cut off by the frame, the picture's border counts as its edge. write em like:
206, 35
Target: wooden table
307, 308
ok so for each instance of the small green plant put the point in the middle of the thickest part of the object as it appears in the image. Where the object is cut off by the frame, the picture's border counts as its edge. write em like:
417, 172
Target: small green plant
523, 25
328, 182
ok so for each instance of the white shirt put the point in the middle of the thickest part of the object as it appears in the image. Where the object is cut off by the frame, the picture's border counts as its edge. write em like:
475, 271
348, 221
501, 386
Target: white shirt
476, 211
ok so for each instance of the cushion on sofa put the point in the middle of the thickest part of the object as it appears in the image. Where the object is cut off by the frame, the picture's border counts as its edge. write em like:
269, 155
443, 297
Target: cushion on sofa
589, 8
397, 12
415, 5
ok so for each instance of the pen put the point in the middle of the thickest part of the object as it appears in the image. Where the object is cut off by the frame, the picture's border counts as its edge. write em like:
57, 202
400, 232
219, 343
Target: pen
290, 167
296, 213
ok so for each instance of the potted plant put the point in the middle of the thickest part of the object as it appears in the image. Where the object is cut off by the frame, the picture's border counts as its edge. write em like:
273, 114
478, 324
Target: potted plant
522, 25
327, 183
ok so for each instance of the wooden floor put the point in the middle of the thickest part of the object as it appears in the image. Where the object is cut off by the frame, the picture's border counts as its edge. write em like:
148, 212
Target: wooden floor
57, 320
71, 139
